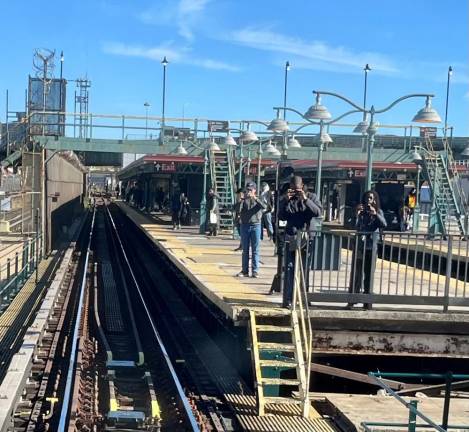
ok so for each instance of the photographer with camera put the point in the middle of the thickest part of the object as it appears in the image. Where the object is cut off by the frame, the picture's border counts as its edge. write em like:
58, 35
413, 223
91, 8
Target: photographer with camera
369, 223
297, 208
250, 209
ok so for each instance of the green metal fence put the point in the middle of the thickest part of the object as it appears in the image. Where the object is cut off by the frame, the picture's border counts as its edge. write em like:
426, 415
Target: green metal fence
16, 270
412, 405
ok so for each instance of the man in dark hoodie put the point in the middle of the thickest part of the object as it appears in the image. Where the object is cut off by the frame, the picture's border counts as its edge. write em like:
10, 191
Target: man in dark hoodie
250, 209
297, 208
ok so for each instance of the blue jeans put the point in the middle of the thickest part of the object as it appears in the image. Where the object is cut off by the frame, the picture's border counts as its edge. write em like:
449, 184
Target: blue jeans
250, 235
267, 221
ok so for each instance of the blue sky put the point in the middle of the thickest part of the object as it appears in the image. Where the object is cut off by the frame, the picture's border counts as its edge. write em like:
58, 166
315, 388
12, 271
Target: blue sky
227, 56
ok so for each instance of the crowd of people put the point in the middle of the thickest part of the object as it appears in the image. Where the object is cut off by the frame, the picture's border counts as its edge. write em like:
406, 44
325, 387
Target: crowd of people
281, 215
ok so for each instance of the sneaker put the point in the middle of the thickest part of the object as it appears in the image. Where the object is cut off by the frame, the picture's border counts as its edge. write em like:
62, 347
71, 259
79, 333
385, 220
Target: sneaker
242, 274
255, 275
237, 249
179, 226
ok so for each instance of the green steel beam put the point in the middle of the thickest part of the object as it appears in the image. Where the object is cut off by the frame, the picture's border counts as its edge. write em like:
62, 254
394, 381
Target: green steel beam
154, 147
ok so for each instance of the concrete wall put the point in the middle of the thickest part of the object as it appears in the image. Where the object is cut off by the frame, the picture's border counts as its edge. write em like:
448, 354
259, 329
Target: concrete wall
65, 192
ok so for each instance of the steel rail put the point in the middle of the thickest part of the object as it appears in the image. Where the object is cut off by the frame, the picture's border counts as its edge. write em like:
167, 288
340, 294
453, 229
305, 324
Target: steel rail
187, 407
72, 365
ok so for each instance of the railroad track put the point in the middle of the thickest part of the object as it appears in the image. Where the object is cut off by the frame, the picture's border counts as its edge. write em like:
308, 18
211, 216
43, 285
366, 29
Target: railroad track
117, 356
115, 381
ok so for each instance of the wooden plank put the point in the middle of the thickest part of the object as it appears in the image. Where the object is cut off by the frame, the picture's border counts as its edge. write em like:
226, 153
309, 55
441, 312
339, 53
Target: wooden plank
356, 376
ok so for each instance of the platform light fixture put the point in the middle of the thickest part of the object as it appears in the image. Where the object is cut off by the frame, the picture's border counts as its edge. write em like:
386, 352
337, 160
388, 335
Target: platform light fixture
293, 142
278, 125
427, 114
181, 151
317, 111
465, 152
229, 141
249, 136
213, 146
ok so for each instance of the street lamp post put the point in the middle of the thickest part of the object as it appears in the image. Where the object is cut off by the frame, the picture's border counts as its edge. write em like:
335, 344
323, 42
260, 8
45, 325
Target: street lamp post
450, 72
203, 201
147, 106
61, 105
287, 68
165, 63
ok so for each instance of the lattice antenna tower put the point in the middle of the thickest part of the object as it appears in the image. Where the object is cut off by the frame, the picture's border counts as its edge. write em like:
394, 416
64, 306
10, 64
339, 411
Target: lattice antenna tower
43, 63
82, 98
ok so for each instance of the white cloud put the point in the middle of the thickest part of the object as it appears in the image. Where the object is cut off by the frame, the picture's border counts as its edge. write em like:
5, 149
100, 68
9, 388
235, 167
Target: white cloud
184, 14
311, 54
174, 54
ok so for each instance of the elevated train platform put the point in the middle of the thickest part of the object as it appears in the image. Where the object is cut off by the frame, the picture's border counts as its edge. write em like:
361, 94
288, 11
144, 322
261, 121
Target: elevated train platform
388, 329
210, 264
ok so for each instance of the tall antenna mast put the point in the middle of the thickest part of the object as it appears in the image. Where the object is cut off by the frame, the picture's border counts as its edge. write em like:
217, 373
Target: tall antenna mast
43, 63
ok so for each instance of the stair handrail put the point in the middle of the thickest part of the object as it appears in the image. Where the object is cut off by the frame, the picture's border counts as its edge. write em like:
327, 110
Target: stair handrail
212, 162
426, 151
300, 305
452, 168
231, 174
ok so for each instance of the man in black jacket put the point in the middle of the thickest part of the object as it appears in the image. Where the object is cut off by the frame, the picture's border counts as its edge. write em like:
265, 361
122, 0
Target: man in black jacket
250, 210
298, 208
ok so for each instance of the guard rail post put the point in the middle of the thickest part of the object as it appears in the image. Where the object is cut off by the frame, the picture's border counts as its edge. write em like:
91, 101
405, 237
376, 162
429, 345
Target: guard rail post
449, 264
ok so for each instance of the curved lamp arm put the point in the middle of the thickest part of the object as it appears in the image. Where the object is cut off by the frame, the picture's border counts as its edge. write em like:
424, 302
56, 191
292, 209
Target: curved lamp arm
257, 122
322, 93
401, 99
296, 112
311, 122
327, 123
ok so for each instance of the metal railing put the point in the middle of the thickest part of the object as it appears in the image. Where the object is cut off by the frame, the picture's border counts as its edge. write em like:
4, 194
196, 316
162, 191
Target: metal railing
300, 308
412, 405
390, 268
17, 268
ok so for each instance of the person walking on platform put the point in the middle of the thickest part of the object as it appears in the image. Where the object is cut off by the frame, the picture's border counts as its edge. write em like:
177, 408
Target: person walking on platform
298, 208
370, 222
176, 210
250, 210
211, 213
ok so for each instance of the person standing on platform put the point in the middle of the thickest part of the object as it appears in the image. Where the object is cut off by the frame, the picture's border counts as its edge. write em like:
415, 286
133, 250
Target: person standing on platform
297, 208
211, 213
370, 222
176, 210
250, 210
160, 198
237, 221
335, 203
185, 213
268, 200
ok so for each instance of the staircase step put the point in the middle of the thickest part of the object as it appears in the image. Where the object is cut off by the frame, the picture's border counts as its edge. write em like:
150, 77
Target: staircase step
271, 346
277, 312
278, 363
282, 400
273, 328
280, 381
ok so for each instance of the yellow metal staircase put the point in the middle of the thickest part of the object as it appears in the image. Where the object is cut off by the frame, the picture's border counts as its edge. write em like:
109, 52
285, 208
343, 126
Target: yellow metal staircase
281, 344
